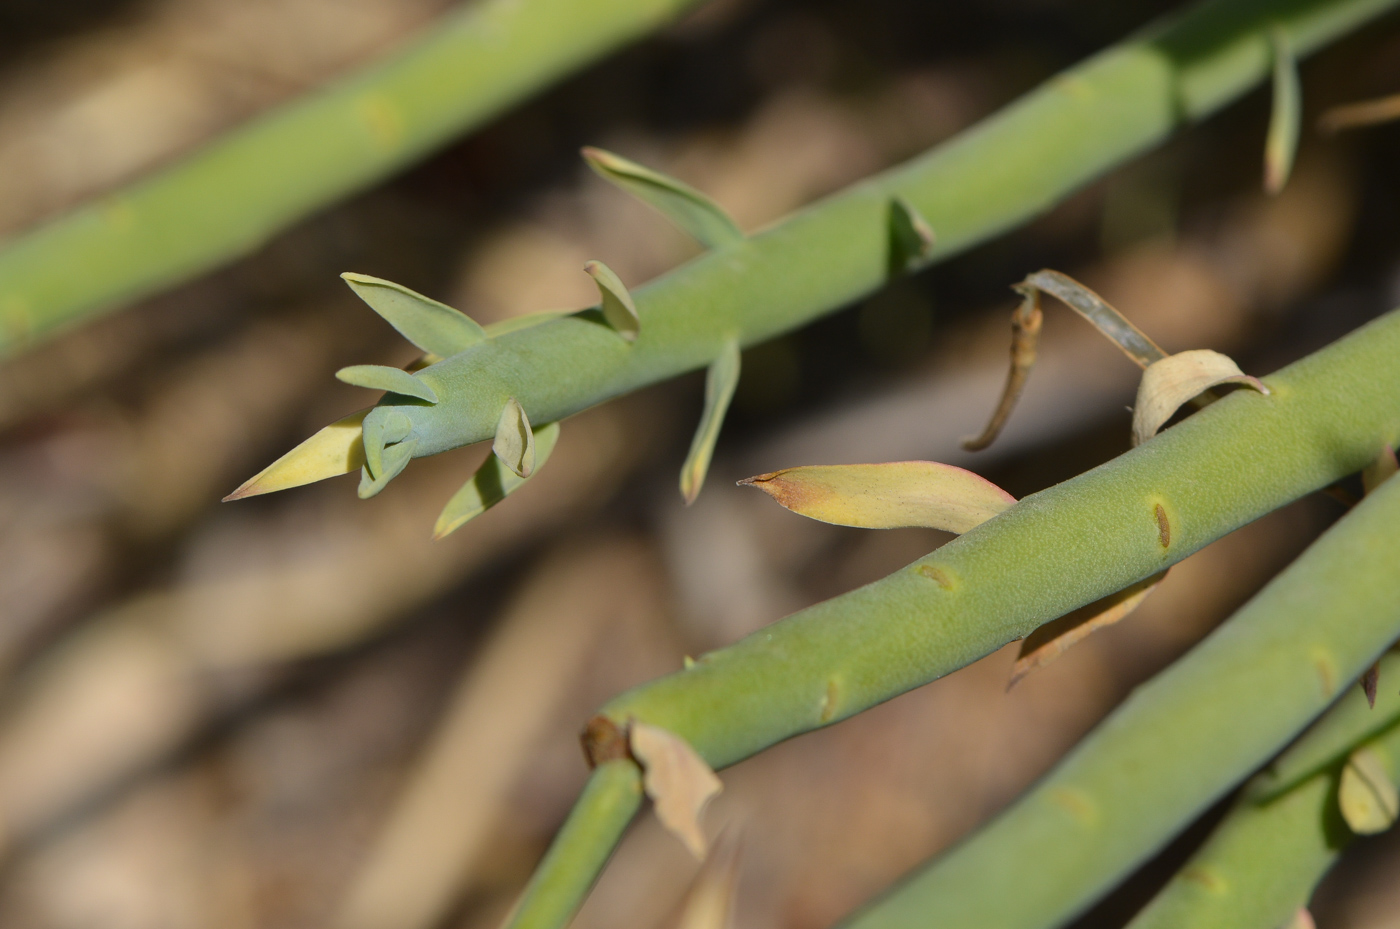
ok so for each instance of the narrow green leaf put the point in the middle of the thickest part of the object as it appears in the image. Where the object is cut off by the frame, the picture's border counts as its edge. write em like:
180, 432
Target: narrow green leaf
682, 204
1281, 144
336, 449
491, 484
515, 440
617, 306
383, 377
911, 237
395, 459
720, 382
434, 327
887, 496
1367, 796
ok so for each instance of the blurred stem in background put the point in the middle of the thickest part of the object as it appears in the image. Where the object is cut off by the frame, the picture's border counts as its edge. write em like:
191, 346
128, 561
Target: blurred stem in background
229, 198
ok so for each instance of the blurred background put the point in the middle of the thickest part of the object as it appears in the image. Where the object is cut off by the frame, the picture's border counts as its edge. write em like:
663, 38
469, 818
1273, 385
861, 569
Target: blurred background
297, 711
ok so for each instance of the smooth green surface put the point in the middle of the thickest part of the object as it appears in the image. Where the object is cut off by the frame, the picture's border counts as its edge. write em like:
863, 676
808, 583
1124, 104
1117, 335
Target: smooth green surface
1178, 743
232, 196
1265, 858
1005, 170
608, 802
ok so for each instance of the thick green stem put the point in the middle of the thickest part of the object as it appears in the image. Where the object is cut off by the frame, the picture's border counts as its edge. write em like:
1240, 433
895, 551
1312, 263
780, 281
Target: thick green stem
232, 196
584, 844
1327, 416
996, 175
1178, 743
1263, 861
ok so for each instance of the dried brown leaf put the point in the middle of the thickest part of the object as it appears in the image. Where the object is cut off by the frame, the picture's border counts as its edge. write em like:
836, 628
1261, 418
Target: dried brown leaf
1169, 384
678, 781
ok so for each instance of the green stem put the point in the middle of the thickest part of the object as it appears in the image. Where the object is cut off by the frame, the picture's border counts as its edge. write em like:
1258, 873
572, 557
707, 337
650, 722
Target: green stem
1262, 862
230, 197
1177, 744
1239, 458
584, 844
996, 175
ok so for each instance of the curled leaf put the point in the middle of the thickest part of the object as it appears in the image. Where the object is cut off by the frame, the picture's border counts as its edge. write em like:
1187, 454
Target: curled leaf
887, 496
911, 237
720, 381
491, 484
1281, 144
395, 459
682, 204
1054, 638
1367, 795
1168, 384
677, 779
383, 377
1025, 335
434, 327
1364, 113
515, 440
1114, 326
1380, 470
617, 306
336, 449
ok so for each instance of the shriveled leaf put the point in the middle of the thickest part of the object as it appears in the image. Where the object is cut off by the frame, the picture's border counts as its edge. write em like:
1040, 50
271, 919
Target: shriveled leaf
1116, 327
432, 326
617, 306
395, 459
528, 321
1168, 384
1053, 639
1281, 144
1370, 683
491, 484
1363, 113
678, 781
1367, 795
709, 904
383, 377
911, 237
887, 496
682, 204
1380, 470
336, 449
514, 444
720, 382
1025, 336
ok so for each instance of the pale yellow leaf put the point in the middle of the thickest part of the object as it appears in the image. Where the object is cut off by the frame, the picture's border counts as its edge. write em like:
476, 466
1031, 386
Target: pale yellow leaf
515, 440
1367, 794
677, 779
1169, 383
336, 449
887, 496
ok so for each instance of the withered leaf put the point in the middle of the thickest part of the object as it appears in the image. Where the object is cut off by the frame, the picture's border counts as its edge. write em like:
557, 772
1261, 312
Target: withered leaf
1168, 384
677, 779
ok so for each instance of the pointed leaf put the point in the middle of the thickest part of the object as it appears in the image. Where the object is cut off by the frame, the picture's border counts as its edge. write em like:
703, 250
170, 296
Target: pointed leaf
720, 382
617, 306
491, 484
678, 781
911, 237
334, 450
1365, 113
1131, 340
383, 377
1281, 144
515, 440
682, 204
1367, 795
887, 496
1380, 470
1054, 638
1168, 384
395, 459
432, 326
709, 904
1370, 683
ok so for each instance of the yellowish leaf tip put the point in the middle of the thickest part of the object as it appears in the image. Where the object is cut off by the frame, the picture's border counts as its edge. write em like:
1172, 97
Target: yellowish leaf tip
336, 449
